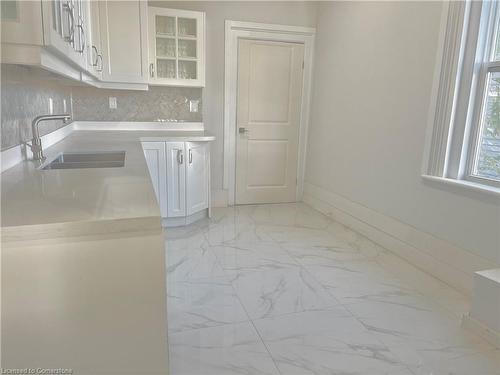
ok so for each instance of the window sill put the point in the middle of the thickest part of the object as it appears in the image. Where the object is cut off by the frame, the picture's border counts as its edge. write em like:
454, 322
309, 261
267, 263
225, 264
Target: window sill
467, 185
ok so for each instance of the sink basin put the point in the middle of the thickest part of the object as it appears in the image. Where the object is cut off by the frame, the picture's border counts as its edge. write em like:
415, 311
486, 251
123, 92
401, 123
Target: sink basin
102, 159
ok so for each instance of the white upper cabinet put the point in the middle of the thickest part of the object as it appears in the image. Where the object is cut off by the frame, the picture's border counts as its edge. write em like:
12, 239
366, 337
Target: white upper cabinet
176, 47
94, 50
123, 29
65, 29
21, 23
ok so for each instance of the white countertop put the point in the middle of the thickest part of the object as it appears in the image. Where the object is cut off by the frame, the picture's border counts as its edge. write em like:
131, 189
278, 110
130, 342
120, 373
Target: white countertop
33, 197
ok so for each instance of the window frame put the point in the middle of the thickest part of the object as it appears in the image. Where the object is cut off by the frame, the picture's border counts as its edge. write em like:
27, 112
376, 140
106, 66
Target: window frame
457, 99
488, 66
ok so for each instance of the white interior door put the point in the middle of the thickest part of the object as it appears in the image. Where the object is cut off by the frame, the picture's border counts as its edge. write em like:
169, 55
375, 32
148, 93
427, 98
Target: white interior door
268, 118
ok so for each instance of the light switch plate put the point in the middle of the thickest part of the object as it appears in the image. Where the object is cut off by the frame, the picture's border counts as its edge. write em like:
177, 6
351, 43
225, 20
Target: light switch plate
112, 102
194, 105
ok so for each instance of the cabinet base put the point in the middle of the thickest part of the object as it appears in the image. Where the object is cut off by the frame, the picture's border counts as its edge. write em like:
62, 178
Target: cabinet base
169, 222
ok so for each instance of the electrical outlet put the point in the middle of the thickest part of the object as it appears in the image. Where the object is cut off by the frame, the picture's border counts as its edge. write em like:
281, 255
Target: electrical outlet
51, 106
193, 105
112, 102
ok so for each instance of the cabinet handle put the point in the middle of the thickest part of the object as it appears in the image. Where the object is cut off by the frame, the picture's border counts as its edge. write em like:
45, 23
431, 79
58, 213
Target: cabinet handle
180, 157
190, 157
152, 70
96, 60
99, 58
70, 38
81, 32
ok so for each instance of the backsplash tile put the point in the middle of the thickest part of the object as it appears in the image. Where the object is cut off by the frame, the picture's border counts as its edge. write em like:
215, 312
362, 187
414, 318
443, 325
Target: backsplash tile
92, 104
26, 91
24, 97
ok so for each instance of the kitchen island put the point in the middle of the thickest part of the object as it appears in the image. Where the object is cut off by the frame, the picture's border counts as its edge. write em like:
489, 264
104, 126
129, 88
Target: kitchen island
83, 261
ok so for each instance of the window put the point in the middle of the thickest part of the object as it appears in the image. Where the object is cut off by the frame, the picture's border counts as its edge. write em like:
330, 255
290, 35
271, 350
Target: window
485, 158
465, 140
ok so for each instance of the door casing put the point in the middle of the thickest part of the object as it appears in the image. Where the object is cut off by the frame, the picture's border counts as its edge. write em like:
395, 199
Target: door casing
236, 30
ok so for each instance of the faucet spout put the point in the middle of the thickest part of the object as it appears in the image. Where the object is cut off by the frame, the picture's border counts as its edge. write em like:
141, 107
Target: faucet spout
36, 143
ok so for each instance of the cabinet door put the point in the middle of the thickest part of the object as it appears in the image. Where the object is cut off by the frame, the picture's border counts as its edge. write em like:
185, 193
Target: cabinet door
157, 166
176, 179
176, 47
196, 177
123, 26
94, 50
22, 22
64, 28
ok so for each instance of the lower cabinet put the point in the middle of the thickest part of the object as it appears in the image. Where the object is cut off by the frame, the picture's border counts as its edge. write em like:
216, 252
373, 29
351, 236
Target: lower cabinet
180, 175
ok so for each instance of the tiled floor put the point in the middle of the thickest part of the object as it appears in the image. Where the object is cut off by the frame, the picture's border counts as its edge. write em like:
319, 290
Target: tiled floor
281, 289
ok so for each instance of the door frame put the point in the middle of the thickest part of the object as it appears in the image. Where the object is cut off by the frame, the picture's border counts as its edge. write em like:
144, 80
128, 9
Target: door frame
236, 30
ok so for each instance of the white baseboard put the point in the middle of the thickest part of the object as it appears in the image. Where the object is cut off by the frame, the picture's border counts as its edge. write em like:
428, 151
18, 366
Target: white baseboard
473, 325
219, 198
443, 260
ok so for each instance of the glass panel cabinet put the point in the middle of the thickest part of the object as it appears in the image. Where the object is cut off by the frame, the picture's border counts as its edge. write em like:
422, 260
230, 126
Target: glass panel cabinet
176, 47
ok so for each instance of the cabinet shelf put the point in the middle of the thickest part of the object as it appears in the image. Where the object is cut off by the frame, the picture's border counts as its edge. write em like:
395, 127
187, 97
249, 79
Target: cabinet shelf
165, 36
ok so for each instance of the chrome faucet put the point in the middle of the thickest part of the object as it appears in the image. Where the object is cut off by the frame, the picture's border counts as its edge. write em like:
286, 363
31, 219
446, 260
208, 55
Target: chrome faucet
36, 143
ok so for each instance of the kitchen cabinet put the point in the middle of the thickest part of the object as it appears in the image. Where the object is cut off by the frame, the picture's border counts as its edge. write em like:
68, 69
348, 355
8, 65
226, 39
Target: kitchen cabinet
180, 174
176, 47
65, 29
123, 30
49, 34
196, 177
156, 161
94, 51
176, 179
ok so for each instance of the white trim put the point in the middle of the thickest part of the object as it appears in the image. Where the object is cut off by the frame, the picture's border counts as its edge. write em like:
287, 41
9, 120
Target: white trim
479, 328
219, 198
261, 31
443, 88
138, 126
464, 184
15, 155
443, 260
172, 222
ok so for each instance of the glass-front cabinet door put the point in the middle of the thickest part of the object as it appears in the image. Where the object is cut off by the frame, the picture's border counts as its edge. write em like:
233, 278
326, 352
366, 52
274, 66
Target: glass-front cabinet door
176, 47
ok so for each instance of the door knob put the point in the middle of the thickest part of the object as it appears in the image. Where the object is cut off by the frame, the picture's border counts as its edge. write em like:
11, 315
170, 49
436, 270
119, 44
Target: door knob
243, 130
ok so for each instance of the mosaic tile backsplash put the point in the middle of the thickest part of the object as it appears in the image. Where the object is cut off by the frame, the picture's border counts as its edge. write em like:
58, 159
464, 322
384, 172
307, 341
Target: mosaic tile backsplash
25, 95
168, 103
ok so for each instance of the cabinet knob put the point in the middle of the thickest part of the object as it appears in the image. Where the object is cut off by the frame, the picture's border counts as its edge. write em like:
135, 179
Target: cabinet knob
180, 157
190, 157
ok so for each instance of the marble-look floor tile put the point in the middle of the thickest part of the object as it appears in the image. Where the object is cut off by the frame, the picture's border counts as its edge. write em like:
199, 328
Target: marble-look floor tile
326, 342
192, 263
355, 281
243, 257
426, 337
224, 350
277, 292
325, 299
302, 236
201, 304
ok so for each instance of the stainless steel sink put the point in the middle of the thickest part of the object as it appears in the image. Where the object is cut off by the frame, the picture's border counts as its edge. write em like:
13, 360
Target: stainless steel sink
101, 159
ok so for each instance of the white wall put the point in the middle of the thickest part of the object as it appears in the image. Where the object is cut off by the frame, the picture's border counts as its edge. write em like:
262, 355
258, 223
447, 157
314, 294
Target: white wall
281, 12
373, 75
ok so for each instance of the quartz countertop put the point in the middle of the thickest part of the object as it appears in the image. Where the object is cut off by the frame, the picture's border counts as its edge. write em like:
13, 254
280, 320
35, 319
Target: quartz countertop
34, 197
